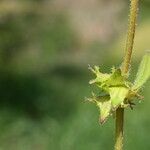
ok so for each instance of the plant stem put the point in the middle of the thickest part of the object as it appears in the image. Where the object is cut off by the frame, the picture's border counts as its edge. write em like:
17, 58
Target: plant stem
130, 36
119, 129
125, 70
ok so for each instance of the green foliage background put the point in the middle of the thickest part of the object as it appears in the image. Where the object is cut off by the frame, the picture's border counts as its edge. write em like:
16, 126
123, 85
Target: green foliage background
44, 78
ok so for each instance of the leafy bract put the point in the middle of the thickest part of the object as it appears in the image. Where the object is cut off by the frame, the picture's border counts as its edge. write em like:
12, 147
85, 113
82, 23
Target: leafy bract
100, 77
104, 105
104, 81
118, 91
117, 95
115, 88
116, 79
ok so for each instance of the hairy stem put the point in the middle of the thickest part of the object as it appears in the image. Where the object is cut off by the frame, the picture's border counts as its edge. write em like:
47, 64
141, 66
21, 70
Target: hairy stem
130, 36
125, 70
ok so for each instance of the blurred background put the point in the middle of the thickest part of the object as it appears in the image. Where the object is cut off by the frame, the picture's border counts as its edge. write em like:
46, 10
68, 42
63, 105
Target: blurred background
45, 49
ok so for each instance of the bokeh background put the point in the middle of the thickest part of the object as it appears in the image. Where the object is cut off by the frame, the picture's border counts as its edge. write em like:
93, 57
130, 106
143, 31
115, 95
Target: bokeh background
45, 49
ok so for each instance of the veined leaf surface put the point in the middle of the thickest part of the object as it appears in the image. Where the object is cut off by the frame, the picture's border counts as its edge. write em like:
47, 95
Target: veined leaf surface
143, 72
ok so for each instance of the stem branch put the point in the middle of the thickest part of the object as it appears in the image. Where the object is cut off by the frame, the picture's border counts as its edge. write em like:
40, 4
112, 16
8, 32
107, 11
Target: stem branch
125, 70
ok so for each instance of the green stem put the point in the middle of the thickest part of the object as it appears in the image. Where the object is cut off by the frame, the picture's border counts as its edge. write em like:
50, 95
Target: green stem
125, 70
119, 129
